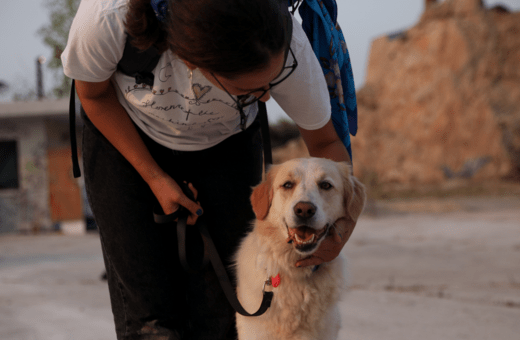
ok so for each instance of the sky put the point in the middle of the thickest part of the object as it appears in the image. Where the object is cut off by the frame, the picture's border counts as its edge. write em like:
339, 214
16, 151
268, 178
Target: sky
361, 21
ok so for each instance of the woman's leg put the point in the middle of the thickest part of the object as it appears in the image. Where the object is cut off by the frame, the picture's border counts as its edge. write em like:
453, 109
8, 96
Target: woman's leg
152, 297
144, 276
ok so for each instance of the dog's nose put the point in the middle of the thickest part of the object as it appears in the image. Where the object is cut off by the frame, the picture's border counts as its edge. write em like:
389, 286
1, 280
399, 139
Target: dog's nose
304, 209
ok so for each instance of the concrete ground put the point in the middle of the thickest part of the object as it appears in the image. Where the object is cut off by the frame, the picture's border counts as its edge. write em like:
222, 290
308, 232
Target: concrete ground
419, 269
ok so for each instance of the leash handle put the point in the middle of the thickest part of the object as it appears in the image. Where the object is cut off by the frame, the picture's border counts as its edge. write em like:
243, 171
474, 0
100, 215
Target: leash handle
161, 218
180, 216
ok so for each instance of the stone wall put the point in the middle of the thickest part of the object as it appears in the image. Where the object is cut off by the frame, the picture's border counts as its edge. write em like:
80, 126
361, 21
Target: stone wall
26, 208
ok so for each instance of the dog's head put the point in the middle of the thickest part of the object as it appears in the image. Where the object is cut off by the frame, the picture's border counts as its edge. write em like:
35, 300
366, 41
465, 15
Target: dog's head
301, 200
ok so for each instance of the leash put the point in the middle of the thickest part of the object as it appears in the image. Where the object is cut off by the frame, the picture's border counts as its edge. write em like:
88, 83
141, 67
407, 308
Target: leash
210, 251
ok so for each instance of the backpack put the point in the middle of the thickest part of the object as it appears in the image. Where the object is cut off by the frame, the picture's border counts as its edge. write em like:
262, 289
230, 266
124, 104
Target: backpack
319, 21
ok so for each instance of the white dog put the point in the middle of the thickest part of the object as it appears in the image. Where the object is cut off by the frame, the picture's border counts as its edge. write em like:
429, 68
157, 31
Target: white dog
295, 206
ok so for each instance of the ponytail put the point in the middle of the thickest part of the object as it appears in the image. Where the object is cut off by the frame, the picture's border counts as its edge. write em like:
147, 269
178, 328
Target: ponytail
142, 24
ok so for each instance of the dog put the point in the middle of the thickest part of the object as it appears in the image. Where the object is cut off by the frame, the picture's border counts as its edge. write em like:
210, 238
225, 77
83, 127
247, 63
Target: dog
295, 207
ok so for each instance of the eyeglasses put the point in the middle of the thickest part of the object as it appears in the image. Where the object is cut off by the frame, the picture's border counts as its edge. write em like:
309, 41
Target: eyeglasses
249, 98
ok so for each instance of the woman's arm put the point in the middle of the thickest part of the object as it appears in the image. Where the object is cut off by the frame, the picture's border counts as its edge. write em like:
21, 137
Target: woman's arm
325, 143
101, 105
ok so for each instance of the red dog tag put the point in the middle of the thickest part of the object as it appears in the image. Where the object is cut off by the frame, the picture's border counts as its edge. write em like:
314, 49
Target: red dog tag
276, 280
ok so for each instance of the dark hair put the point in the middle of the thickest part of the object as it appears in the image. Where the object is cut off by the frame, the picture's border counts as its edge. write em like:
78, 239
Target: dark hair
142, 24
227, 37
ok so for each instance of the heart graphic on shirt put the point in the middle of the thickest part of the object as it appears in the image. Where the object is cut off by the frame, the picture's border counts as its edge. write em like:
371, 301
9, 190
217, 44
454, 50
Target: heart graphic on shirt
199, 91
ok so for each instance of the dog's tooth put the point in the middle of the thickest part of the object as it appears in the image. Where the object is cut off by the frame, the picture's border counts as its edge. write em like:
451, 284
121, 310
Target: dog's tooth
300, 241
305, 242
310, 240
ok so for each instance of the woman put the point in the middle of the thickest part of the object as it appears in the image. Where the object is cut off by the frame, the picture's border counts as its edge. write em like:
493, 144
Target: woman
197, 123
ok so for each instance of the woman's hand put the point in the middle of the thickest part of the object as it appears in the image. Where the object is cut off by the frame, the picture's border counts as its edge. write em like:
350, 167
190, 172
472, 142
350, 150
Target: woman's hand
332, 244
170, 197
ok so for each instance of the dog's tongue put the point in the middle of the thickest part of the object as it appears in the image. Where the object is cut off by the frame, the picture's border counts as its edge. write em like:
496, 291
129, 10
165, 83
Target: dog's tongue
304, 233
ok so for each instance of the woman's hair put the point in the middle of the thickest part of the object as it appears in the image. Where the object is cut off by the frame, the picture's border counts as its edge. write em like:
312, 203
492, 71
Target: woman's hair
142, 25
227, 37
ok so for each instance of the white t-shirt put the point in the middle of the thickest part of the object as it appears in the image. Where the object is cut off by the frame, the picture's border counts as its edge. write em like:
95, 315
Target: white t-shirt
180, 112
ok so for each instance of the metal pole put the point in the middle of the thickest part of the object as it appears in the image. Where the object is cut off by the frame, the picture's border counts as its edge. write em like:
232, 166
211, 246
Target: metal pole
39, 77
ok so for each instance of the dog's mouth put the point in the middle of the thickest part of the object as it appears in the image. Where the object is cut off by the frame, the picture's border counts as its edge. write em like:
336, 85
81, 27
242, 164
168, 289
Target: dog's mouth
305, 238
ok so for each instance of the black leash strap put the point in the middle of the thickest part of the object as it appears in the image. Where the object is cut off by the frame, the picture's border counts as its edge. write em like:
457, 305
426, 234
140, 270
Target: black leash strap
210, 251
180, 217
223, 278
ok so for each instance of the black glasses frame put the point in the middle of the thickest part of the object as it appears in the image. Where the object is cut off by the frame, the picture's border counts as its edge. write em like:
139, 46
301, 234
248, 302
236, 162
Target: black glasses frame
242, 100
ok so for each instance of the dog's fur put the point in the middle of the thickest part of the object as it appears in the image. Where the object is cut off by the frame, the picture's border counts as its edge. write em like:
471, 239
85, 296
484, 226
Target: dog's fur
304, 306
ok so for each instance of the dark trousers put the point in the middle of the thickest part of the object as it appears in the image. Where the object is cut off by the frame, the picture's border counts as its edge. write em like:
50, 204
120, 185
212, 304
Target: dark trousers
152, 297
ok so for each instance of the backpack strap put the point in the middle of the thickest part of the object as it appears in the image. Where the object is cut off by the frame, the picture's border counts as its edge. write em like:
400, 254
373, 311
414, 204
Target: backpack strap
139, 64
266, 136
72, 130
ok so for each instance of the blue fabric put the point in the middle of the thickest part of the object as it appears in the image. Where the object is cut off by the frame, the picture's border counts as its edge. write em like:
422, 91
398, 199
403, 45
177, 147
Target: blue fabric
319, 21
160, 7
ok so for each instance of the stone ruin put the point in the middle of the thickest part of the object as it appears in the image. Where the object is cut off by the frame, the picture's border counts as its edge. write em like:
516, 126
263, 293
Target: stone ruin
442, 99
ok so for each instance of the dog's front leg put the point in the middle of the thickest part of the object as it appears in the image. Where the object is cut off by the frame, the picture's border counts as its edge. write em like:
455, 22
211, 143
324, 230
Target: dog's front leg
332, 325
250, 328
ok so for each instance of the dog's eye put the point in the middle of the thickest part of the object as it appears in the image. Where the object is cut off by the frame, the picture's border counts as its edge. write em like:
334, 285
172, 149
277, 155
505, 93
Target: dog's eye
288, 185
325, 185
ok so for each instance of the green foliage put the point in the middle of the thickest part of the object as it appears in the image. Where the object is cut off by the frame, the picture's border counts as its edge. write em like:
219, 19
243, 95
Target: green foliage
55, 35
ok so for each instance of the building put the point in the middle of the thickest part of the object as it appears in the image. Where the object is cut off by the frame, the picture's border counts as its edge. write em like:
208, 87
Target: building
37, 188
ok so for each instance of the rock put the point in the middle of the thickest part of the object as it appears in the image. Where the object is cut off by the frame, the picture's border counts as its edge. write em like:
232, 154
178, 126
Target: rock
441, 94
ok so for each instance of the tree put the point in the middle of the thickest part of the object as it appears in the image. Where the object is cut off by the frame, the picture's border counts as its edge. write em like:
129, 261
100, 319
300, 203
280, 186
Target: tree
3, 87
55, 35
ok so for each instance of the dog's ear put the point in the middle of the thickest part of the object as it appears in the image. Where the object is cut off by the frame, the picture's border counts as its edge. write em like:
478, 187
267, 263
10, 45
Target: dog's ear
355, 194
262, 196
